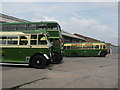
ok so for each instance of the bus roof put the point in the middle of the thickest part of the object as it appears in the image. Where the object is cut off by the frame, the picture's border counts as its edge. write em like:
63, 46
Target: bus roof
42, 22
34, 31
9, 33
83, 43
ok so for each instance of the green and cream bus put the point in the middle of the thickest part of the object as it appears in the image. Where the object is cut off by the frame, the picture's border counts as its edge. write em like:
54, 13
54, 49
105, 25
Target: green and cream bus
85, 49
25, 47
51, 27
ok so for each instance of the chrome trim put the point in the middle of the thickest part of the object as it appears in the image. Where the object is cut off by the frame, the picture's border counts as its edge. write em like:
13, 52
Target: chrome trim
46, 56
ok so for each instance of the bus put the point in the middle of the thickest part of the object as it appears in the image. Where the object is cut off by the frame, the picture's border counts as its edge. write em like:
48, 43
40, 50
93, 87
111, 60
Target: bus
51, 27
85, 49
27, 48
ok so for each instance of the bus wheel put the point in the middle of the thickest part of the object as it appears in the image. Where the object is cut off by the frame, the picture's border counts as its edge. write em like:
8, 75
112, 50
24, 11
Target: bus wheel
38, 61
56, 58
74, 54
103, 54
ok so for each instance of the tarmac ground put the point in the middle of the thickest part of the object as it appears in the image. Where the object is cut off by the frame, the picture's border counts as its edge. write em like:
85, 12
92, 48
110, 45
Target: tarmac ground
74, 72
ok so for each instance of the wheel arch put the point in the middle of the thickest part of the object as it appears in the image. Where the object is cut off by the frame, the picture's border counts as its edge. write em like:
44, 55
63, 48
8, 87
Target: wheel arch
102, 52
40, 53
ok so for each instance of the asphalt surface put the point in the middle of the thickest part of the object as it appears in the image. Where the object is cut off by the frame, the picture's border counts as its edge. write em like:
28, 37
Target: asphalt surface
74, 72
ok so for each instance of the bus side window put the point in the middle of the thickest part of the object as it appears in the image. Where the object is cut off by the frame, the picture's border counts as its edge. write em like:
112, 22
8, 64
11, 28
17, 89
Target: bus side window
4, 27
65, 47
33, 40
100, 46
96, 46
79, 47
12, 27
68, 47
42, 40
23, 40
1, 27
92, 47
21, 26
3, 40
12, 40
72, 47
84, 47
31, 26
104, 46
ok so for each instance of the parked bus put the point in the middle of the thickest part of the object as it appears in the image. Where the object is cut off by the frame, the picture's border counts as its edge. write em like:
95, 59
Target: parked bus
21, 47
52, 28
85, 49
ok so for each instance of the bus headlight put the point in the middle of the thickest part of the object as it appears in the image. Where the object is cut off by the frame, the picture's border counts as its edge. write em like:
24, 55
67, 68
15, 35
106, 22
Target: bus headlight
46, 56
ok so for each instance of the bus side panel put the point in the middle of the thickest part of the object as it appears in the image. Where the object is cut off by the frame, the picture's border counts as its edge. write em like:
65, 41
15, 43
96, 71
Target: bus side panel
18, 55
92, 52
82, 52
69, 52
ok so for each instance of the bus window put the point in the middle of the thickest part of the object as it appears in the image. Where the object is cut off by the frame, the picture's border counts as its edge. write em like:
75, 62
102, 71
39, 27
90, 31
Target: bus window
0, 27
100, 46
3, 40
12, 27
68, 47
8, 27
23, 40
33, 36
41, 26
42, 40
54, 28
64, 47
79, 47
73, 47
92, 47
84, 47
104, 46
96, 46
4, 27
31, 26
12, 40
21, 27
33, 40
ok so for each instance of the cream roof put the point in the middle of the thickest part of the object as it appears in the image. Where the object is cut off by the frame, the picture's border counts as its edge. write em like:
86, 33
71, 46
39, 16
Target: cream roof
10, 33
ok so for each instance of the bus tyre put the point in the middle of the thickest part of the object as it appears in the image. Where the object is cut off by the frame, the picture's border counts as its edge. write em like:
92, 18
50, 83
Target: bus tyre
74, 54
56, 59
103, 54
38, 61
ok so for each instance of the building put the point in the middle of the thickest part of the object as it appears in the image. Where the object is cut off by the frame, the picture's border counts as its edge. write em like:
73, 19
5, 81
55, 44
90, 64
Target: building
10, 19
87, 39
68, 38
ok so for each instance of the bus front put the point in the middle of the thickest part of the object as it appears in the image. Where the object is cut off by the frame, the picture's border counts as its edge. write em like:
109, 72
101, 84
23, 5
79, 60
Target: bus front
55, 37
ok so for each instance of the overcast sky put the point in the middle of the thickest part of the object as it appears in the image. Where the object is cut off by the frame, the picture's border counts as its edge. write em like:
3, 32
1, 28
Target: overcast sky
98, 20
